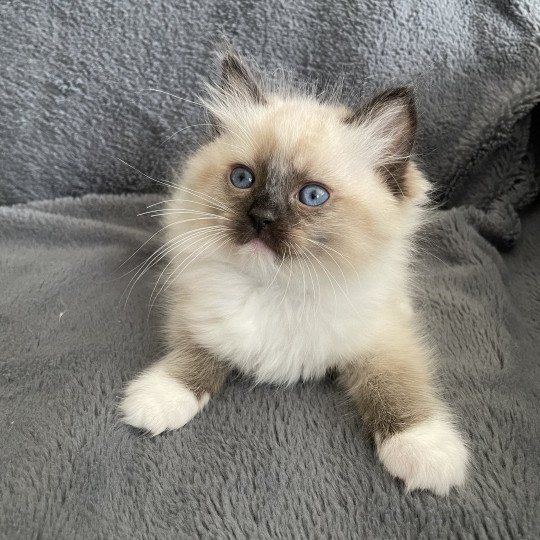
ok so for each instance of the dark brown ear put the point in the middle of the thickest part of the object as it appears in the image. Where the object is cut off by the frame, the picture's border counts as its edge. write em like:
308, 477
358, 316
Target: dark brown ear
237, 78
391, 117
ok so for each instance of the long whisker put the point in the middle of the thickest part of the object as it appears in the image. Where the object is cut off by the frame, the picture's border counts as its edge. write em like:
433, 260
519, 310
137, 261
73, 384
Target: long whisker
195, 193
149, 239
208, 235
171, 95
161, 252
161, 202
318, 281
287, 245
182, 268
330, 280
327, 249
184, 129
309, 271
154, 235
345, 294
331, 249
202, 203
174, 211
277, 272
162, 182
303, 287
205, 197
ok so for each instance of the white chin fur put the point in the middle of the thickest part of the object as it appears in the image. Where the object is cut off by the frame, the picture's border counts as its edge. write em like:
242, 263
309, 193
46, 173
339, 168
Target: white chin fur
430, 455
156, 402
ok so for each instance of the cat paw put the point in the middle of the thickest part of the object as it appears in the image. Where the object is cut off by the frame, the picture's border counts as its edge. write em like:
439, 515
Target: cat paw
430, 455
156, 402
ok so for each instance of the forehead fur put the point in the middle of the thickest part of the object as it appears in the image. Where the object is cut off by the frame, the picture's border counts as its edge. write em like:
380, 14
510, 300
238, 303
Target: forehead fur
303, 135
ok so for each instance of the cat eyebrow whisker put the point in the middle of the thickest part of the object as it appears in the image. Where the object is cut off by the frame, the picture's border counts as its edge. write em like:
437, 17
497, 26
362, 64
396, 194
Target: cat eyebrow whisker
199, 104
235, 147
250, 140
184, 129
162, 182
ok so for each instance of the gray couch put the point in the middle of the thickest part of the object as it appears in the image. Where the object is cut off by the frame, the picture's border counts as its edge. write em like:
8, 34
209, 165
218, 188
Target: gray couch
78, 94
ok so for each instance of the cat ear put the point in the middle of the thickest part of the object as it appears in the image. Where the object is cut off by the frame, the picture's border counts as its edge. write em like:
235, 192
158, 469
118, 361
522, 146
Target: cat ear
390, 120
237, 79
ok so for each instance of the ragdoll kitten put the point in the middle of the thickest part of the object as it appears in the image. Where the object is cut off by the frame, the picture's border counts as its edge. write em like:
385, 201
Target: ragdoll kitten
290, 238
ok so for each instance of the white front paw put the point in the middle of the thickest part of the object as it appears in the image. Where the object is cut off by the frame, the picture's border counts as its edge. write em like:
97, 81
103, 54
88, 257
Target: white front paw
156, 402
430, 455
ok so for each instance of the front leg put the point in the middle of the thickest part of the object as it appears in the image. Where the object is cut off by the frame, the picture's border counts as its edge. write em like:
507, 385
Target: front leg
172, 391
413, 432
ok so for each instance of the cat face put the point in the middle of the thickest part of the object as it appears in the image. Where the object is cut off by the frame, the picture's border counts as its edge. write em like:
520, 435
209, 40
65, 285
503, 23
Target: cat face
287, 178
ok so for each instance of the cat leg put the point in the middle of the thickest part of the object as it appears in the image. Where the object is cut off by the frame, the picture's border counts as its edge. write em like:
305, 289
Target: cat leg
172, 391
413, 432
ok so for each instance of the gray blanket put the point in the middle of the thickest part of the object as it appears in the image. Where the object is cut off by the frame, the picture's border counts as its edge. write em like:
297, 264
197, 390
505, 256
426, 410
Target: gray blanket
76, 74
77, 91
259, 462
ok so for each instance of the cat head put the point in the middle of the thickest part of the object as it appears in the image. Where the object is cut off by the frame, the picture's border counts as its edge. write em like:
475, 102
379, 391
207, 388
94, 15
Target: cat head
290, 179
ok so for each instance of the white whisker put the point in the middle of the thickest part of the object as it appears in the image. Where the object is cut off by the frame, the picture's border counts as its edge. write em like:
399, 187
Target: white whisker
159, 254
171, 95
183, 267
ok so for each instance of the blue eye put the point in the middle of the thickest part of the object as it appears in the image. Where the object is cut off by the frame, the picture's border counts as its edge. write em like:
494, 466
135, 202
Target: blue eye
242, 178
313, 195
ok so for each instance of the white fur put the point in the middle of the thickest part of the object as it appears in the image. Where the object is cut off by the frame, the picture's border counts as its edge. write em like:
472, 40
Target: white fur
156, 402
283, 331
430, 455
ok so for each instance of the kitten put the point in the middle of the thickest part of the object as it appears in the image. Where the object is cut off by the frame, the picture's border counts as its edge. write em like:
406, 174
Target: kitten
290, 235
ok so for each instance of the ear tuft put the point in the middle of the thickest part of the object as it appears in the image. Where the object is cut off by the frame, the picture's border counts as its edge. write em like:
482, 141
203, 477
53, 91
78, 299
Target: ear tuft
237, 78
390, 119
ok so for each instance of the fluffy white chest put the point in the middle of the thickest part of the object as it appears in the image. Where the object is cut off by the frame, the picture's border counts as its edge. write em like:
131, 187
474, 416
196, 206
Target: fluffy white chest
276, 333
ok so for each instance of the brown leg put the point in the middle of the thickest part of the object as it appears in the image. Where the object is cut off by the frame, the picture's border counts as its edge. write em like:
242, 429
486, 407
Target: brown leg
413, 433
173, 390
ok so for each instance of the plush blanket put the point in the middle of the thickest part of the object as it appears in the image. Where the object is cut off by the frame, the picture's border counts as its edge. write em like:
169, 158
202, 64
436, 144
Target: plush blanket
76, 78
85, 83
258, 462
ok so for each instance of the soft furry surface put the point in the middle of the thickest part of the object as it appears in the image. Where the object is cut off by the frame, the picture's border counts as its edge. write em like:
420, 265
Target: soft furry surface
74, 74
258, 462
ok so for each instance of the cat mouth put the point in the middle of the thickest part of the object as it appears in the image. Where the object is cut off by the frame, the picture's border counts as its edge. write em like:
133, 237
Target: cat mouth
262, 244
259, 247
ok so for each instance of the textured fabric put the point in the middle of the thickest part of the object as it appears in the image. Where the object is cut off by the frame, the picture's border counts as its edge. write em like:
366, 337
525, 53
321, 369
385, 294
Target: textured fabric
75, 75
261, 462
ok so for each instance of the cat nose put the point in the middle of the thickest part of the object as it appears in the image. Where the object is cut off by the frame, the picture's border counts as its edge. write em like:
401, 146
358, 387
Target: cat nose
261, 218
